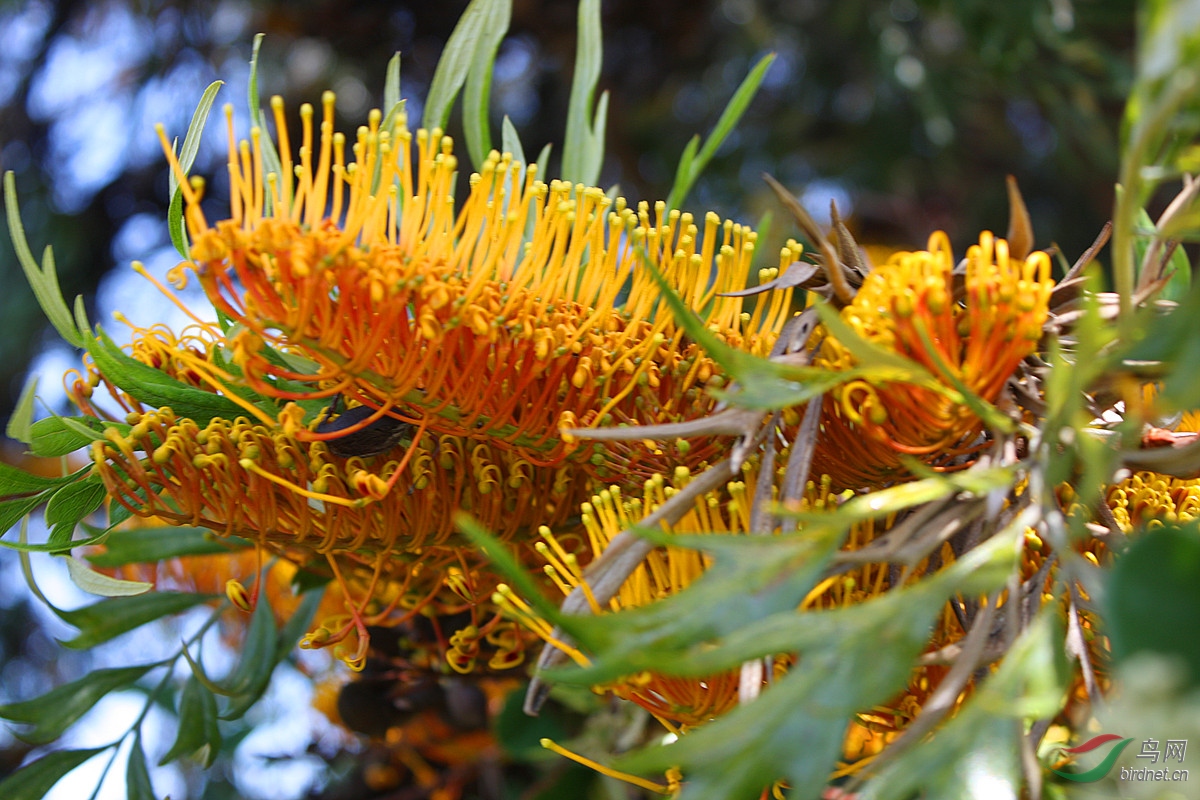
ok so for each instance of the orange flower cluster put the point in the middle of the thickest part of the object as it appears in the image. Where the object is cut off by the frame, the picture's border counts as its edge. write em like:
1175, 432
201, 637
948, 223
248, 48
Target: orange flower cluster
975, 324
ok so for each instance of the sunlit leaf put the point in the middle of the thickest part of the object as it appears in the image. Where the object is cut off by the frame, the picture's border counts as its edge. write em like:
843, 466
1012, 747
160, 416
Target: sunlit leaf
187, 156
43, 281
583, 145
477, 92
54, 436
98, 583
452, 67
75, 501
20, 422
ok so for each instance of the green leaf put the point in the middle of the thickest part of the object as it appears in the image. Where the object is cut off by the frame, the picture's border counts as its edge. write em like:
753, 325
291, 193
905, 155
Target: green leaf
98, 583
155, 388
510, 141
983, 737
146, 545
137, 777
75, 501
690, 168
452, 67
850, 659
253, 672
16, 481
391, 84
197, 725
107, 619
476, 95
43, 280
297, 624
54, 436
1153, 596
35, 780
11, 511
583, 146
187, 156
54, 712
20, 422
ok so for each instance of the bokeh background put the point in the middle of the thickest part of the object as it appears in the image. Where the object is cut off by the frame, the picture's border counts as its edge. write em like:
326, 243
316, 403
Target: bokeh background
908, 113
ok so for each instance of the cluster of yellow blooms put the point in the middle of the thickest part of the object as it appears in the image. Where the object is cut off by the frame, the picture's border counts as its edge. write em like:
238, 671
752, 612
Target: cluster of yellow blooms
475, 334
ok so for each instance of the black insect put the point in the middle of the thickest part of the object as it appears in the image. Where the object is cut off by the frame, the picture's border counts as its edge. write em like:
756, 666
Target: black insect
378, 437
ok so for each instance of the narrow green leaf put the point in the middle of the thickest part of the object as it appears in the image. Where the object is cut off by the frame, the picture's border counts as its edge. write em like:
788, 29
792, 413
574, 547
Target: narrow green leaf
725, 124
98, 583
11, 511
510, 141
391, 84
253, 672
683, 173
146, 545
107, 619
53, 436
137, 778
253, 98
1030, 683
199, 673
452, 67
298, 623
35, 780
60, 540
543, 165
54, 712
156, 388
197, 724
17, 481
477, 93
187, 156
43, 281
75, 501
20, 424
583, 150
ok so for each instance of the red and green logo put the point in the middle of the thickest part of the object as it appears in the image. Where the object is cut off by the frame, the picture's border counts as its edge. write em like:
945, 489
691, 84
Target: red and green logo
1100, 770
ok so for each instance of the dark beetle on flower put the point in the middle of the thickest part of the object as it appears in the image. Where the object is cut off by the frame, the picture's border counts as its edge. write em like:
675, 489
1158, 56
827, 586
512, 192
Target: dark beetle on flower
378, 437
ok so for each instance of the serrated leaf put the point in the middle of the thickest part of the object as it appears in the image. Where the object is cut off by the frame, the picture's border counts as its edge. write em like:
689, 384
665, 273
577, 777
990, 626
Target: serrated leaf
477, 92
583, 144
54, 712
690, 168
34, 780
42, 280
53, 437
107, 619
98, 583
451, 71
146, 545
197, 724
137, 778
155, 388
20, 422
75, 501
